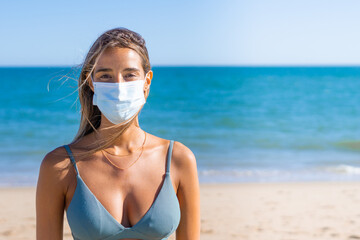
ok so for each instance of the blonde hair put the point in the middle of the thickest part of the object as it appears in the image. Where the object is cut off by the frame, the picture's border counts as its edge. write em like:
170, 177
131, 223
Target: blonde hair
90, 114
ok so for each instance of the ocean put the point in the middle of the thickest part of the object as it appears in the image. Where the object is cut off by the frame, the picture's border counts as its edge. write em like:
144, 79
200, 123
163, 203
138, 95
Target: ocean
244, 124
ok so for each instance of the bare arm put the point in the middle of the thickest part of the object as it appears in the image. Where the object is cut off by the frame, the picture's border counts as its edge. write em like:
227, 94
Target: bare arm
50, 197
188, 194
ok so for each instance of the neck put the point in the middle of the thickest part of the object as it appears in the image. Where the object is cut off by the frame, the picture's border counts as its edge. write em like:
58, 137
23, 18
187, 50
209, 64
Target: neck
130, 140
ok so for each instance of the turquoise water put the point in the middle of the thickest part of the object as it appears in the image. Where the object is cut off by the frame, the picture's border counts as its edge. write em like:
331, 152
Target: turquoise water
242, 123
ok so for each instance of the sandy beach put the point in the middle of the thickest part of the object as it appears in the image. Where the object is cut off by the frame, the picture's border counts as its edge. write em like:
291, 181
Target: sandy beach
256, 211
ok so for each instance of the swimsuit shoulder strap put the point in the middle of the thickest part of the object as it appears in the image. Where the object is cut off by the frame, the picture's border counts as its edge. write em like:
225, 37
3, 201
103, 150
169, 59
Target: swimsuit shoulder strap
71, 158
168, 160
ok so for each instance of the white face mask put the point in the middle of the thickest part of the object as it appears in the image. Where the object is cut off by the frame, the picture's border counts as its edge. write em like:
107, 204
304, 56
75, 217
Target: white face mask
119, 101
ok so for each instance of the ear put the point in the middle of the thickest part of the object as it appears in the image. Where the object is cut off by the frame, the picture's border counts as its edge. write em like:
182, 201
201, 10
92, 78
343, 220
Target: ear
148, 79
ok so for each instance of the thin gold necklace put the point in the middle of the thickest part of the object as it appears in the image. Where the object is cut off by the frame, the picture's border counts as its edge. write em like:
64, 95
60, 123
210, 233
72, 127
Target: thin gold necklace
124, 154
142, 150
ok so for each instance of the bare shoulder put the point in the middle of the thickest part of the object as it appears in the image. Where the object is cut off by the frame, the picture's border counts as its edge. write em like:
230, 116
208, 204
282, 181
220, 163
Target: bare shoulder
55, 160
55, 166
182, 156
185, 163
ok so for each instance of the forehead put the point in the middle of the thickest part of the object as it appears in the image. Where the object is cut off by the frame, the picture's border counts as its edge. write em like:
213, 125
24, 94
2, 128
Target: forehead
119, 58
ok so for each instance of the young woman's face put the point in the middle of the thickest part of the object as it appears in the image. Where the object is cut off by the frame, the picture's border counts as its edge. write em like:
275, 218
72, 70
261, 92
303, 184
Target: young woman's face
118, 65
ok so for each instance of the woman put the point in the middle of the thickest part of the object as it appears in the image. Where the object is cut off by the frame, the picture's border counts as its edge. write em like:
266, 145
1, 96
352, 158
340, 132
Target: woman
114, 180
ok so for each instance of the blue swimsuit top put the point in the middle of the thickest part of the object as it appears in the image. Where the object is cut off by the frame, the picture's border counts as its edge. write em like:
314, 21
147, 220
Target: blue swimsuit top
89, 220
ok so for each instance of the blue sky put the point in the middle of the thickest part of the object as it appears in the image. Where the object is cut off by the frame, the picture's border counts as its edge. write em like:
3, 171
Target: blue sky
204, 32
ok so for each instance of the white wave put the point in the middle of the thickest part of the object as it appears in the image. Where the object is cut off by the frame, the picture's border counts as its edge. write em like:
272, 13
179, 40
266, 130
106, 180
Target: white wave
324, 173
240, 173
344, 169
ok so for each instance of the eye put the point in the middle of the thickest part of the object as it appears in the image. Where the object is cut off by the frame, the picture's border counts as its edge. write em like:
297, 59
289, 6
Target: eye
130, 75
105, 77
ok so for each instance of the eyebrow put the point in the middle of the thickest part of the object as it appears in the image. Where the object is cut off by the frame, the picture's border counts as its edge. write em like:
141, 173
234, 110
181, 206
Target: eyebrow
131, 69
103, 70
109, 70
